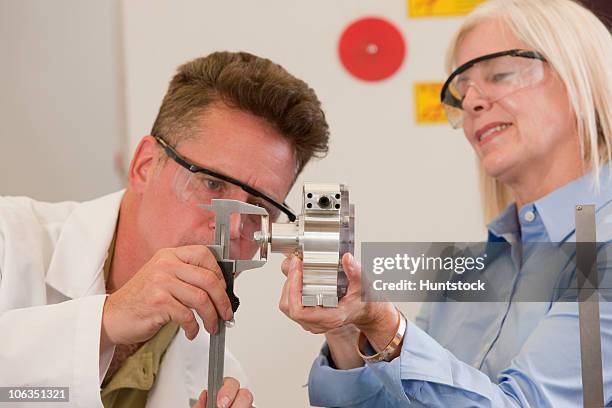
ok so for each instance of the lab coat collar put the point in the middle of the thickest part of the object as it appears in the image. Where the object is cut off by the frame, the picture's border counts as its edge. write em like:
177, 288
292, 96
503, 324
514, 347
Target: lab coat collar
76, 266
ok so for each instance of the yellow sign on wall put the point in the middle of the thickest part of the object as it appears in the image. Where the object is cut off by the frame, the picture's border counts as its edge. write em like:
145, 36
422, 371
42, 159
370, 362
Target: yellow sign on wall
434, 8
429, 110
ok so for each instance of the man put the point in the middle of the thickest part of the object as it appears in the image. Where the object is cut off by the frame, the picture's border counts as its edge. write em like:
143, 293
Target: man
92, 294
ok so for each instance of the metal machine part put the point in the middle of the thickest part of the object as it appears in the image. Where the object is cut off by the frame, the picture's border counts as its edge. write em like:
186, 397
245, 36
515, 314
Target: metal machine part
223, 210
321, 235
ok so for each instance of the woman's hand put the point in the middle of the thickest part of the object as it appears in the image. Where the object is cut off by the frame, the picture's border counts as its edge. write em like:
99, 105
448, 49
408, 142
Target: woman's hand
377, 320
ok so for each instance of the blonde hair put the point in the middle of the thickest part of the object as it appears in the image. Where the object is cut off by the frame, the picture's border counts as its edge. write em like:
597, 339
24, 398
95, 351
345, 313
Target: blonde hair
578, 46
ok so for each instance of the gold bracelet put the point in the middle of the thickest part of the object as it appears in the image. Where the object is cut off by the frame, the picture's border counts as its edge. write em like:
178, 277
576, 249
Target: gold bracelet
391, 348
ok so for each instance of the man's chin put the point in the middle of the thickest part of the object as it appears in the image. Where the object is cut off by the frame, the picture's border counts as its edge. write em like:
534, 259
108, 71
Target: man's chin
194, 241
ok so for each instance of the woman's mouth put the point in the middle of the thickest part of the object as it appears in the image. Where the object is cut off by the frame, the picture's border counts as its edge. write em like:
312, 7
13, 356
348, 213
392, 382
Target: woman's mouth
485, 136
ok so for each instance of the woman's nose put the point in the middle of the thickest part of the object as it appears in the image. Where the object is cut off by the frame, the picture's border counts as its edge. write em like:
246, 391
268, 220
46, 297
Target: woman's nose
475, 100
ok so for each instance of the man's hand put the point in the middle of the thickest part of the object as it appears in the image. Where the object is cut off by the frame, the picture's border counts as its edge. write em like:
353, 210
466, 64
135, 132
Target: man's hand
230, 396
165, 289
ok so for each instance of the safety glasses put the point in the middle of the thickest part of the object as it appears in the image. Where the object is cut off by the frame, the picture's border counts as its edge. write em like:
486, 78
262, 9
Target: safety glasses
200, 185
493, 76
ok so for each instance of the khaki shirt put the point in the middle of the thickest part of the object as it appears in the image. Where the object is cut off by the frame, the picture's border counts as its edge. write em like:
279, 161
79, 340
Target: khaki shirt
130, 385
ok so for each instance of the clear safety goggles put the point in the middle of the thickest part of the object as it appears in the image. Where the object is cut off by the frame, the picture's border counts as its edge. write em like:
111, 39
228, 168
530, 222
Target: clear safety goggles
493, 76
198, 185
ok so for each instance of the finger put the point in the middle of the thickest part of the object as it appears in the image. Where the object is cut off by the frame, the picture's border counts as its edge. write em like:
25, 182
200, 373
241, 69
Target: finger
227, 393
294, 280
184, 317
197, 299
314, 319
199, 255
204, 280
244, 399
201, 402
198, 275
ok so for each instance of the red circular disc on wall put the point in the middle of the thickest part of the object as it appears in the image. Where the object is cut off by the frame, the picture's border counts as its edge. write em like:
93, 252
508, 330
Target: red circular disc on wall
371, 49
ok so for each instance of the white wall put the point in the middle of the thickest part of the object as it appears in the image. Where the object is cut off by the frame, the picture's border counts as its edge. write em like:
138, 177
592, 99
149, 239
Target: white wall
409, 183
60, 102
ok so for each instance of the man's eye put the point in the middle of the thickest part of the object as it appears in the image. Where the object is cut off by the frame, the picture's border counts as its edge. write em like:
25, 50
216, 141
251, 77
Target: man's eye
269, 210
262, 206
213, 185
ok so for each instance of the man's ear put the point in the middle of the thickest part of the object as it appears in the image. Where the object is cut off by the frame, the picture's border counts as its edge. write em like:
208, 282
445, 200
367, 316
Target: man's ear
143, 163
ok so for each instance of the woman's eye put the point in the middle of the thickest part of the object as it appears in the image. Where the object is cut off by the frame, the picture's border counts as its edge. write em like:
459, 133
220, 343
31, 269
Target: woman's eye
502, 76
461, 87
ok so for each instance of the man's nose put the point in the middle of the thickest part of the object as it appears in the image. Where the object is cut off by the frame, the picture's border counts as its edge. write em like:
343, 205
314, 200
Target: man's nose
235, 226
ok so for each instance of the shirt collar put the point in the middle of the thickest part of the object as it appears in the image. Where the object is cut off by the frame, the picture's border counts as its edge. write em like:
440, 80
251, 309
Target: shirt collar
505, 227
557, 209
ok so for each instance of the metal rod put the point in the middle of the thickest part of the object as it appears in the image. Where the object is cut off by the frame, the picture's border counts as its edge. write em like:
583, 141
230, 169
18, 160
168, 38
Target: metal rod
216, 355
588, 307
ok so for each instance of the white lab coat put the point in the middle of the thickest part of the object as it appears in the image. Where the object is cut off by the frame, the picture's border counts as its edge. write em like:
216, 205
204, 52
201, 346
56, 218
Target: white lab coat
51, 296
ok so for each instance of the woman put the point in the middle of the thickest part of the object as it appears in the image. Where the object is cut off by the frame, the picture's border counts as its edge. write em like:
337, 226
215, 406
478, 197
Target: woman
531, 85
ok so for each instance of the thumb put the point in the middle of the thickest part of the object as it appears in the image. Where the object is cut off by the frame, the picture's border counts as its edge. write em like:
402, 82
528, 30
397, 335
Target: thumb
294, 278
352, 268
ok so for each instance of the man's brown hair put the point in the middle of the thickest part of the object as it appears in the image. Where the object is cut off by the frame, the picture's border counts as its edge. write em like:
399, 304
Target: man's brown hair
253, 84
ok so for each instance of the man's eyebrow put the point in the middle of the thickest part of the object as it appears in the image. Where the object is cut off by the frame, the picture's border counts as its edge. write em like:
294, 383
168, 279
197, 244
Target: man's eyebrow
261, 201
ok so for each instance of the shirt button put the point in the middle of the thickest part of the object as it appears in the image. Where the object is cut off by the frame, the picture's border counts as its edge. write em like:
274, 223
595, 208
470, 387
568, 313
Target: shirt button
529, 216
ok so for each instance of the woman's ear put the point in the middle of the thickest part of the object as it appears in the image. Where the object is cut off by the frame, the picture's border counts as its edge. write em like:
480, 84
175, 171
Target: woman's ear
143, 163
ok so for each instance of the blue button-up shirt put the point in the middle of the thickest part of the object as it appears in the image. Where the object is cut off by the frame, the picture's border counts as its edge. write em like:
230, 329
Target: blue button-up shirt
502, 354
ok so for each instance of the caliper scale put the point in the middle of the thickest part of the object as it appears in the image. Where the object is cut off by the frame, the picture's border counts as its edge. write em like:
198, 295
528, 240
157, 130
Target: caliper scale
223, 210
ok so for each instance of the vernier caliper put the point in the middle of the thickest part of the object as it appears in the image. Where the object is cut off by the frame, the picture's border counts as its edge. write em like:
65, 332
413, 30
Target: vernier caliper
223, 210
